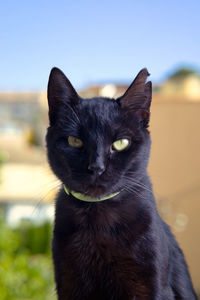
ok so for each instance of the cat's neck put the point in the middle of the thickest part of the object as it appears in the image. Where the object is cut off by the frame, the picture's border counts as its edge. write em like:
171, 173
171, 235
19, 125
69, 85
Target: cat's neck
126, 207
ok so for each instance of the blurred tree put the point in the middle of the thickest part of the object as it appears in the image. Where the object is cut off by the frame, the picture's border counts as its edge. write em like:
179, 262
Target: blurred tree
182, 73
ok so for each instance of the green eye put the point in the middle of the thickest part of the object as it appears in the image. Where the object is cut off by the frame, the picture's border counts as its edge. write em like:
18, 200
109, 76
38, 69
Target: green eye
121, 144
74, 142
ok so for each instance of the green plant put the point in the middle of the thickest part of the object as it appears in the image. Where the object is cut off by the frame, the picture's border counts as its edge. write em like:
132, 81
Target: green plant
26, 270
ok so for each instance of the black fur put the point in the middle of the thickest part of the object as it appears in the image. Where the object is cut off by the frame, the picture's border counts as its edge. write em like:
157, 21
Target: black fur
117, 249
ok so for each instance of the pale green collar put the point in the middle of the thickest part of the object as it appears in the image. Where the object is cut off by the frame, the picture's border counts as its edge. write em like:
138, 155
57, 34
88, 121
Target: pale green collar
86, 198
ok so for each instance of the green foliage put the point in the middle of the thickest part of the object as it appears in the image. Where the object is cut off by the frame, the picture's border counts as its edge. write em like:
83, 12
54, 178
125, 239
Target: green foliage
26, 270
34, 239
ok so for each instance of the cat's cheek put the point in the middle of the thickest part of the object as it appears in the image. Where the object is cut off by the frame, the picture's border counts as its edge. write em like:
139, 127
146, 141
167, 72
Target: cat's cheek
61, 144
67, 157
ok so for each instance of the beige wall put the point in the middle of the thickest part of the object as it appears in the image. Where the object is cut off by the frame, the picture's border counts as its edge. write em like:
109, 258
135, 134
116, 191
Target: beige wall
175, 172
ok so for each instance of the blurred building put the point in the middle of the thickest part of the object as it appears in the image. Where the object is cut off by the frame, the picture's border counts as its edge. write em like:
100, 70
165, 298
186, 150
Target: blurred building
175, 172
25, 189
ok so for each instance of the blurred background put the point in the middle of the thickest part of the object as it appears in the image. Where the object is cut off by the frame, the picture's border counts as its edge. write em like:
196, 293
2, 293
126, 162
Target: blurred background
100, 46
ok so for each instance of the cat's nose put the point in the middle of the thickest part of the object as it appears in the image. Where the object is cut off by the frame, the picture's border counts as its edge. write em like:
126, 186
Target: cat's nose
98, 169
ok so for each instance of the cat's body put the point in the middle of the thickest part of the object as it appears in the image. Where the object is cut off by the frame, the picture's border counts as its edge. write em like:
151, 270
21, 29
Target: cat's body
118, 248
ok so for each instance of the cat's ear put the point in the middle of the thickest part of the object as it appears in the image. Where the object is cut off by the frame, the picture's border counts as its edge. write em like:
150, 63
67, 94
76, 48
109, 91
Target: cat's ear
60, 92
137, 97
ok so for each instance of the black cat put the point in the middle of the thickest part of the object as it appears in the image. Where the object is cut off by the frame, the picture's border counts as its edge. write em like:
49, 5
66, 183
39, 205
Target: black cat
109, 241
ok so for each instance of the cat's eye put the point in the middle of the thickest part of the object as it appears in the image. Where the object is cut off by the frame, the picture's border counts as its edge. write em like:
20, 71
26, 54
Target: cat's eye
74, 142
121, 144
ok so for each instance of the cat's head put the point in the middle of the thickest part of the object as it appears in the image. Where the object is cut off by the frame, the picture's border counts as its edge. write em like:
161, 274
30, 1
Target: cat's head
97, 146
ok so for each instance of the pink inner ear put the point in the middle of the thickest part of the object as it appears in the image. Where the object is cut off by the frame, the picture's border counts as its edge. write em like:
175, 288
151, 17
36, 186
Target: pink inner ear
144, 114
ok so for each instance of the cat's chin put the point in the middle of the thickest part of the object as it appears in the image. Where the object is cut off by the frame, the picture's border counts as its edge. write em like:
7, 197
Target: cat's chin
96, 191
93, 187
92, 190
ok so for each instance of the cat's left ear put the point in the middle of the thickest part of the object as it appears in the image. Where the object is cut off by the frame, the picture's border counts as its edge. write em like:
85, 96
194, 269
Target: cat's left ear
60, 93
137, 97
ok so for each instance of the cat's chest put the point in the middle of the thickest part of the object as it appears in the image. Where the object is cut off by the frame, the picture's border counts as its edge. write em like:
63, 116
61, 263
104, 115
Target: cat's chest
95, 247
103, 237
99, 249
105, 259
98, 239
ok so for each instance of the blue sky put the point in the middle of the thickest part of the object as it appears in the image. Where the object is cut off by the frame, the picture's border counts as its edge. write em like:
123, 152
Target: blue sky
95, 41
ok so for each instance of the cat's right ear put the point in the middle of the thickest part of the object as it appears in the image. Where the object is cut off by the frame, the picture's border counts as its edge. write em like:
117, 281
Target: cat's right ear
137, 98
60, 93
